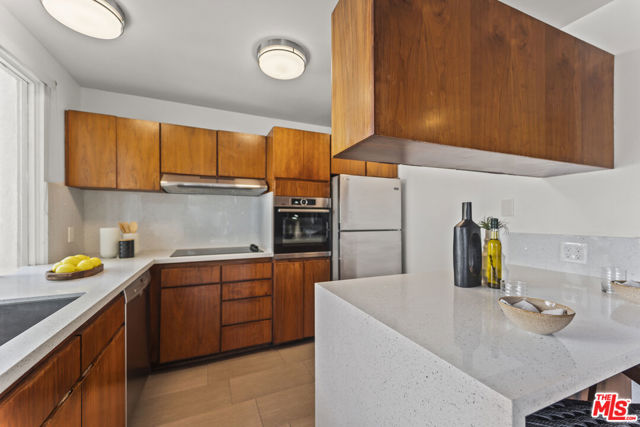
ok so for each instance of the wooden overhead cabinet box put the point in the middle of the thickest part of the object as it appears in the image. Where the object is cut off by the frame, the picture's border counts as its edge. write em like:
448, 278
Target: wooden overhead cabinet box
467, 84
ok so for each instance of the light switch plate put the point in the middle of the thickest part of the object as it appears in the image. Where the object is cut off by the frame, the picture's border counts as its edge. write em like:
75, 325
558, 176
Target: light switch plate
508, 207
70, 236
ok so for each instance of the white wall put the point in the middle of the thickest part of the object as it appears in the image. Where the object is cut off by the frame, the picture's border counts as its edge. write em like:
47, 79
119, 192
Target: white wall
602, 203
138, 107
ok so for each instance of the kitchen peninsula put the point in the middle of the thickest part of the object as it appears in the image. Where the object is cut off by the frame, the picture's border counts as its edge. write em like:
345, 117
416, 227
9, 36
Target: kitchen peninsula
415, 350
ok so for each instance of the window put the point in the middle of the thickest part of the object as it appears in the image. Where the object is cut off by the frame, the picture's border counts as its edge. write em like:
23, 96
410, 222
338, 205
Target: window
22, 186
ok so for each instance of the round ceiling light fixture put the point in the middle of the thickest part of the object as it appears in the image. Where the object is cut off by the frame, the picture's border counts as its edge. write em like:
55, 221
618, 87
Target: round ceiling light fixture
282, 59
101, 19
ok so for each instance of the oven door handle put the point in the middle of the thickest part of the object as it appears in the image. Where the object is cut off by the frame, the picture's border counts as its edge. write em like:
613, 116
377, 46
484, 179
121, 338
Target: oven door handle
303, 210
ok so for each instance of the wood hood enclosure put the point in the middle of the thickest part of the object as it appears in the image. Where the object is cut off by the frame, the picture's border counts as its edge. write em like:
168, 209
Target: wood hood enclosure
467, 84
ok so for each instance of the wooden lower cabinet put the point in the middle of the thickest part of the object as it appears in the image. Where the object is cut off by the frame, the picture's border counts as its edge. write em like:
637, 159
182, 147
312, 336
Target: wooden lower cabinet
293, 297
288, 278
189, 322
103, 388
246, 335
59, 391
35, 397
315, 270
69, 413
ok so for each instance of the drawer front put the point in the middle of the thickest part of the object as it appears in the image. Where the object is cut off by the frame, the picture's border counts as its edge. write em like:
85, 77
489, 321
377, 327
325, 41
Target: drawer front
96, 335
253, 271
239, 290
246, 335
31, 402
185, 276
246, 310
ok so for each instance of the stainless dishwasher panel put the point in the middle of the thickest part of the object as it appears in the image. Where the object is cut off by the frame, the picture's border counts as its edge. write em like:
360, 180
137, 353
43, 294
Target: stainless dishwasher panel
137, 339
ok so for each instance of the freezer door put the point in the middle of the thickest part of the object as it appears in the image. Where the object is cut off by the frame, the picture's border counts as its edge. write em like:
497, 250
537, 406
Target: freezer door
370, 253
369, 203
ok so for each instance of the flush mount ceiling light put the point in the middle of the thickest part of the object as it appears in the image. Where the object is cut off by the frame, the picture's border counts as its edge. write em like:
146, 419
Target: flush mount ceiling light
102, 19
282, 59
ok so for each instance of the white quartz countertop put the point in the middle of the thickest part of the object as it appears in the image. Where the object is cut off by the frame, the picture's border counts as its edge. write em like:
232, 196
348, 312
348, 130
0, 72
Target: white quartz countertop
466, 329
21, 353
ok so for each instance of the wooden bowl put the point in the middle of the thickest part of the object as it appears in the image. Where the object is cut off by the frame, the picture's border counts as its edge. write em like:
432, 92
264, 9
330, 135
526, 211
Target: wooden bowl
538, 323
50, 275
630, 293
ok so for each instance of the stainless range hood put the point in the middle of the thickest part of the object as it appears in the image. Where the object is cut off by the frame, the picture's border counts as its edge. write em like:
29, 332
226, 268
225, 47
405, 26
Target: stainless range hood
187, 184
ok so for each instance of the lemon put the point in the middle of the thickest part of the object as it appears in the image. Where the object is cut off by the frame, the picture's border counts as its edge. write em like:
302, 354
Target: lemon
71, 260
66, 268
96, 261
81, 257
85, 264
56, 265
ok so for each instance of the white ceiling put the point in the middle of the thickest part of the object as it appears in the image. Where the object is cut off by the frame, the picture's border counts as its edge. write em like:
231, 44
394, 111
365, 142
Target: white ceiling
202, 52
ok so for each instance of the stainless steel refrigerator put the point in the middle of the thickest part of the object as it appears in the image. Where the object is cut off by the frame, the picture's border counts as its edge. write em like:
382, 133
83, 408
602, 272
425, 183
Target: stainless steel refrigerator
367, 226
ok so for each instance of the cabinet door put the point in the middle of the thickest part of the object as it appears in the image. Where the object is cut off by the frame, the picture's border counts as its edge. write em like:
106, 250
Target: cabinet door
188, 151
288, 279
382, 170
69, 414
189, 322
103, 388
315, 270
138, 164
90, 150
317, 156
34, 397
348, 167
288, 153
241, 155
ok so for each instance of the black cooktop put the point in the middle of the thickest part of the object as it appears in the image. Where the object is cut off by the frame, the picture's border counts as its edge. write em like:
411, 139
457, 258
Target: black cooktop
216, 251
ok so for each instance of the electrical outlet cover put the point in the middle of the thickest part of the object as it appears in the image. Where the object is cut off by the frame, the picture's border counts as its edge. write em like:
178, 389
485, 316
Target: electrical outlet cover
574, 252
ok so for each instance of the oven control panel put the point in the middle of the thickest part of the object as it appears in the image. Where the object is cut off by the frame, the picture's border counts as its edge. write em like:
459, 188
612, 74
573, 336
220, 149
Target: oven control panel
303, 202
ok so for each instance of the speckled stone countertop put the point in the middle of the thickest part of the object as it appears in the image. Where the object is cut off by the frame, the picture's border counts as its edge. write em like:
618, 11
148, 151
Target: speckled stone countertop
460, 341
21, 353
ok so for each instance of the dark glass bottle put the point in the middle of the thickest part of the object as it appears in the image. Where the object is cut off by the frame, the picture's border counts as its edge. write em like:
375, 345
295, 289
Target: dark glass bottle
467, 251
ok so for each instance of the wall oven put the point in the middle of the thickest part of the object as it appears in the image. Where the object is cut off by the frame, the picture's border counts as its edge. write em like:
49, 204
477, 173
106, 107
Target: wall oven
302, 227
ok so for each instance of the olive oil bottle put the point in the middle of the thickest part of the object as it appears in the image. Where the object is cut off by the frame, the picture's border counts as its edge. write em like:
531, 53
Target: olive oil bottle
494, 256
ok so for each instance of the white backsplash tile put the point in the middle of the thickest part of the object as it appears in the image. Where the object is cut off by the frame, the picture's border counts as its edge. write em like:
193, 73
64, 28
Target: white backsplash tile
543, 251
168, 221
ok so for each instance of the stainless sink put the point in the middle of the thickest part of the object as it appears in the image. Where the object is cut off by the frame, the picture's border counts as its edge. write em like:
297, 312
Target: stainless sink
16, 316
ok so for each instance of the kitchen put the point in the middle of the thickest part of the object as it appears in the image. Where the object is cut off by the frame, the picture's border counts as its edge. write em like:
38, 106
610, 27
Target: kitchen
229, 335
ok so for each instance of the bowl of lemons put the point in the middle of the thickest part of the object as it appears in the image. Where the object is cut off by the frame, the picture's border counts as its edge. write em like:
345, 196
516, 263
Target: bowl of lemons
75, 267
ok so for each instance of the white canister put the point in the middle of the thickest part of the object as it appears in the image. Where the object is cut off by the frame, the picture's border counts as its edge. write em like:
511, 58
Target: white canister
109, 237
134, 237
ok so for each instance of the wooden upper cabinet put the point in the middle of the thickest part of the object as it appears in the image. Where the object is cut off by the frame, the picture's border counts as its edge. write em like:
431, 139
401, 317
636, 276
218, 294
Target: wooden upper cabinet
286, 153
241, 155
188, 150
382, 170
90, 150
316, 149
348, 167
425, 82
138, 148
297, 154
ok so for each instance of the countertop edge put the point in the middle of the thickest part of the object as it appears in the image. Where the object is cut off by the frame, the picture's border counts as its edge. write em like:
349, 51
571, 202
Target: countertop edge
17, 370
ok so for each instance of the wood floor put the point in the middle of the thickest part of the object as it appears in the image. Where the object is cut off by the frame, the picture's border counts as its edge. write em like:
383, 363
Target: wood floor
269, 388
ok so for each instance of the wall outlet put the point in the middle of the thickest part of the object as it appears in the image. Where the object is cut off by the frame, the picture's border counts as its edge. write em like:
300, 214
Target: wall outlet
70, 236
574, 252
